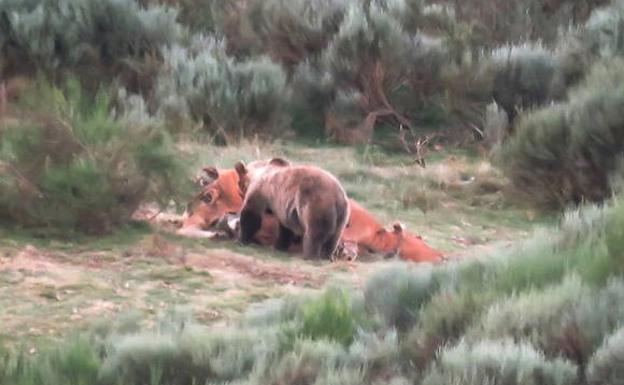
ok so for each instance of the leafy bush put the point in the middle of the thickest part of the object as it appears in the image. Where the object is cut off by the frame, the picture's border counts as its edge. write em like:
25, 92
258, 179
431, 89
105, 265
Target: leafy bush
72, 363
232, 98
496, 22
111, 38
502, 363
329, 317
316, 362
193, 354
546, 319
198, 15
292, 31
75, 166
522, 77
606, 367
443, 320
567, 153
395, 295
370, 71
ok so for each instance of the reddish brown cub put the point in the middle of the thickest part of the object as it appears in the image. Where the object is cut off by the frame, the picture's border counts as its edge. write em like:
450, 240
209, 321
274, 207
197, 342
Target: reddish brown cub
307, 201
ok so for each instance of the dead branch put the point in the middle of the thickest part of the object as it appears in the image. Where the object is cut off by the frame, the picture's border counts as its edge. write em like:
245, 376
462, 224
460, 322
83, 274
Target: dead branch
418, 147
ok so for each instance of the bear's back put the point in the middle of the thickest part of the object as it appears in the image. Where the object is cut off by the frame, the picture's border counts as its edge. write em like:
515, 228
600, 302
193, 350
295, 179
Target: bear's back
304, 179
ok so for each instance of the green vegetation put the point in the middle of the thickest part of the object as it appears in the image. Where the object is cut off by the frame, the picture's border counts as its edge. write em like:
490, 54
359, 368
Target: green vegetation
329, 317
606, 366
236, 99
72, 165
569, 153
111, 39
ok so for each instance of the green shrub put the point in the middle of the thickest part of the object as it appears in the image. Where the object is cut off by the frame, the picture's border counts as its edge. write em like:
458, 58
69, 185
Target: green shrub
191, 354
515, 21
198, 15
567, 153
580, 246
607, 365
75, 166
291, 31
395, 295
316, 362
71, 363
274, 311
503, 363
329, 317
232, 98
443, 320
598, 316
522, 77
536, 316
371, 71
380, 353
111, 38
468, 289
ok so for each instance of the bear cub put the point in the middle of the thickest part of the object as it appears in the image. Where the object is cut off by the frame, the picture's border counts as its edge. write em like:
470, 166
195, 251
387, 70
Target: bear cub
307, 201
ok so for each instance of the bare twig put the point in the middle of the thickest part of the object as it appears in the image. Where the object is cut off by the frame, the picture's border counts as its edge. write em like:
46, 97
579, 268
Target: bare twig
419, 147
477, 130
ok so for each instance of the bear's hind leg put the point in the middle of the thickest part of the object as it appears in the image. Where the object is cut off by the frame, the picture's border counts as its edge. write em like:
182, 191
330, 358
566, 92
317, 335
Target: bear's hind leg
285, 238
313, 244
250, 223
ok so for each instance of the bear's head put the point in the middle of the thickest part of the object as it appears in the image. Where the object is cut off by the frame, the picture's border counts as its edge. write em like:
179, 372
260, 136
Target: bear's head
253, 170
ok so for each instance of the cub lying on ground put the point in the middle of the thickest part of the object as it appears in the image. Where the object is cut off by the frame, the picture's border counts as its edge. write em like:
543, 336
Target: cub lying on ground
306, 200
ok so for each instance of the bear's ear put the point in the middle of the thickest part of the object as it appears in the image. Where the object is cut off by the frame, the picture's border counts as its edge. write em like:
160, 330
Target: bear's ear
240, 168
279, 162
398, 227
212, 172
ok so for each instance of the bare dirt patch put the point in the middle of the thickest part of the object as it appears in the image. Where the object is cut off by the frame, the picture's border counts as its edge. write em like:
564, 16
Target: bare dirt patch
227, 264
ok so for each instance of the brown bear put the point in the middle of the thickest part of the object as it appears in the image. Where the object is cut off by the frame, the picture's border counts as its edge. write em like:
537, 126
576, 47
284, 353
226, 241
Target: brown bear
307, 201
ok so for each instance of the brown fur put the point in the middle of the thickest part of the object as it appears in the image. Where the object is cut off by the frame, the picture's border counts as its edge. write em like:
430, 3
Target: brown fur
307, 201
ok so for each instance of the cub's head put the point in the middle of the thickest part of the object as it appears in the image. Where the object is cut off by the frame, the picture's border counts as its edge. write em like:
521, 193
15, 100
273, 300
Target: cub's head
411, 247
219, 196
253, 170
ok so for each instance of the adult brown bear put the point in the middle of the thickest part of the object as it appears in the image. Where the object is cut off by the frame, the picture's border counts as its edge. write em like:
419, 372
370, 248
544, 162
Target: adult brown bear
307, 201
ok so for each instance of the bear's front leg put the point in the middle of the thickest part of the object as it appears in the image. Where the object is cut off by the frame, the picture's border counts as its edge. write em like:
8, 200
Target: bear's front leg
285, 238
250, 223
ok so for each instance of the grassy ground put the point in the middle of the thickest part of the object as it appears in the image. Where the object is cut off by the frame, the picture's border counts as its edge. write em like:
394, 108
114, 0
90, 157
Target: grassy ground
50, 287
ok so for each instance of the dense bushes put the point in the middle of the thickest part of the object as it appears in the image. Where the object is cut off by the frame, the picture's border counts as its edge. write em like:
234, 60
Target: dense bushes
345, 68
234, 99
370, 72
569, 152
94, 40
330, 317
607, 366
502, 363
396, 295
71, 164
